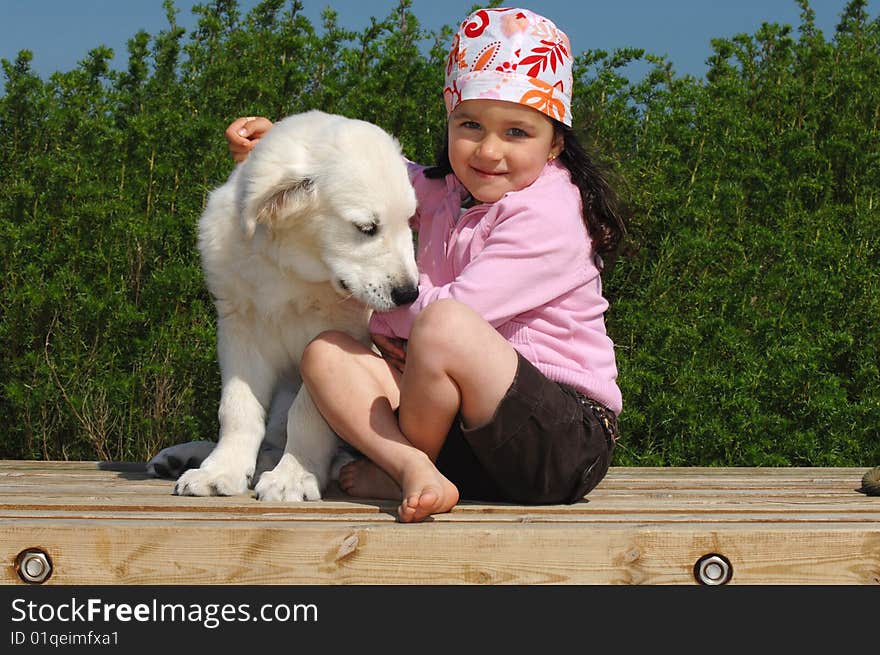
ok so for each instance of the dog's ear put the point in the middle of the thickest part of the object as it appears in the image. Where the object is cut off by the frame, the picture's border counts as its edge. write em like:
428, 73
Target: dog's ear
286, 199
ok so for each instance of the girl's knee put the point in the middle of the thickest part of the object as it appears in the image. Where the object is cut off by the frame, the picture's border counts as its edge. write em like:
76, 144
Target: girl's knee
442, 322
321, 351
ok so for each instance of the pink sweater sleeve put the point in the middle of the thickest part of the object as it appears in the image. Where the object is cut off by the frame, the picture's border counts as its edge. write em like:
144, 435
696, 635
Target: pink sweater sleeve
528, 258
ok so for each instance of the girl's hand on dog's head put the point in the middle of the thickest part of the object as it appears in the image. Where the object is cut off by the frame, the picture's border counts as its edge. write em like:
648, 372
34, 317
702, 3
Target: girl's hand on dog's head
243, 133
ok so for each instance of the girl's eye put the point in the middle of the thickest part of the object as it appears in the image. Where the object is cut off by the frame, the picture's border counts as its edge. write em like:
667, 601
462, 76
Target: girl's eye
515, 131
471, 125
370, 229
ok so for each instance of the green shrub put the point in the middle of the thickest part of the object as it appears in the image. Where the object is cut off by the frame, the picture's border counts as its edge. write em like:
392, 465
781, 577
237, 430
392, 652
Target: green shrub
745, 303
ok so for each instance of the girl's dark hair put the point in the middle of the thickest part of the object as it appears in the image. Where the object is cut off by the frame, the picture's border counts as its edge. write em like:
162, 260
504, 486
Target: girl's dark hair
602, 212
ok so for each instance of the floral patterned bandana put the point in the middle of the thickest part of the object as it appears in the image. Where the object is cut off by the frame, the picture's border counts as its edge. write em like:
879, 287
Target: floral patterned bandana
514, 55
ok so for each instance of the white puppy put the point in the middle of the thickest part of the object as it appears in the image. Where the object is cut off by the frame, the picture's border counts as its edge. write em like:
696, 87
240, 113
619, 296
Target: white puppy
309, 234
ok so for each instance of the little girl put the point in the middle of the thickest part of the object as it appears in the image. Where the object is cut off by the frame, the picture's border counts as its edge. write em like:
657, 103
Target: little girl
499, 382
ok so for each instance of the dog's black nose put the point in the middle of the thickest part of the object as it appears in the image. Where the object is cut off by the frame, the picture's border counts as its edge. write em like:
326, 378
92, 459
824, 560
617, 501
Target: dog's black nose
404, 295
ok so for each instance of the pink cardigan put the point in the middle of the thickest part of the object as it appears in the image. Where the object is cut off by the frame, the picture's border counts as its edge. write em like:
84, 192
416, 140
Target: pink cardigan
525, 263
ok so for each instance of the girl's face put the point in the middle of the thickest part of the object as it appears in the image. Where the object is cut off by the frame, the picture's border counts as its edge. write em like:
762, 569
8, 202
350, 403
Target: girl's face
497, 146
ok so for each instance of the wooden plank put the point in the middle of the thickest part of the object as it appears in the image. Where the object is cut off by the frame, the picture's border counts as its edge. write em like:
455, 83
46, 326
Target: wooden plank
778, 508
389, 516
215, 552
111, 524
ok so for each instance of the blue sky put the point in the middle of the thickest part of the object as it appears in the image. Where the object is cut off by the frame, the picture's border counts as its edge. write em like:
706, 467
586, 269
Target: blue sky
61, 32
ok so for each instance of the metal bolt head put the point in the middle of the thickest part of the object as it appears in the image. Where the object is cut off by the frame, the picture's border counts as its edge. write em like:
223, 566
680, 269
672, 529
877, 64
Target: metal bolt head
713, 569
33, 565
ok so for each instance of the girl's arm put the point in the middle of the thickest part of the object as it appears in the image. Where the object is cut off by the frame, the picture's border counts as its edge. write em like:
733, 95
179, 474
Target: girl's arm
527, 261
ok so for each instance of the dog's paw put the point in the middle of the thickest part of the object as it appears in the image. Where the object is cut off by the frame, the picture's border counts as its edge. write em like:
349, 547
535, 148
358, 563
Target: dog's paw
171, 462
211, 481
282, 485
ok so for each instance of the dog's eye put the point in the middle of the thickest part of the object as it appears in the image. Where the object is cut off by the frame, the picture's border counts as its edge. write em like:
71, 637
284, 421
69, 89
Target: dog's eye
370, 229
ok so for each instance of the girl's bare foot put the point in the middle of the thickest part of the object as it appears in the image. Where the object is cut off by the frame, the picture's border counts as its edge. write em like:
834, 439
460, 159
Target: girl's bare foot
363, 479
426, 491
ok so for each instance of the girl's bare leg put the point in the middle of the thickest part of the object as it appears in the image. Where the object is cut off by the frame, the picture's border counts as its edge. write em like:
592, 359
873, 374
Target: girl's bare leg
456, 362
357, 392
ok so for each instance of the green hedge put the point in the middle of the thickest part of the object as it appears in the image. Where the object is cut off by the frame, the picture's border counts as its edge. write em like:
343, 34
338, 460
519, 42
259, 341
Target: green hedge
745, 303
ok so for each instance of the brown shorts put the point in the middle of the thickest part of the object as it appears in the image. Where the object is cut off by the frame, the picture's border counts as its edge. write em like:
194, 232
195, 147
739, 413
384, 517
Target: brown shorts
546, 444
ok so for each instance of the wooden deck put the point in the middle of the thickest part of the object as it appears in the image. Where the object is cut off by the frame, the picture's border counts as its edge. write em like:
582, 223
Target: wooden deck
111, 524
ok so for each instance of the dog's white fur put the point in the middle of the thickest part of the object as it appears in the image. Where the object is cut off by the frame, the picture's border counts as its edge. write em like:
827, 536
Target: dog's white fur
309, 234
